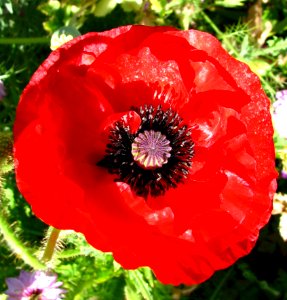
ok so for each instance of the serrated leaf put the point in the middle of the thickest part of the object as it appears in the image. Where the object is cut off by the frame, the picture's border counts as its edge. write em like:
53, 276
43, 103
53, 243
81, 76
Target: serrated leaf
136, 278
275, 47
131, 294
148, 274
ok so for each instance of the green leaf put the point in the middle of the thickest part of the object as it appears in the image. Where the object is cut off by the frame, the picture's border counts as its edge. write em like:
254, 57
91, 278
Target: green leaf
280, 27
8, 194
49, 7
131, 5
275, 47
262, 284
104, 7
259, 66
230, 3
280, 142
131, 294
9, 7
136, 280
156, 6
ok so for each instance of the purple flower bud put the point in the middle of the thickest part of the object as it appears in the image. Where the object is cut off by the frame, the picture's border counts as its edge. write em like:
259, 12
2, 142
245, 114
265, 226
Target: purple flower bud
2, 90
284, 174
34, 285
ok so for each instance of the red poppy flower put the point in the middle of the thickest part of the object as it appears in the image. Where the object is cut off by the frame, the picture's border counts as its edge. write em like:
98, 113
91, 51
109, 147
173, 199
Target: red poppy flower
154, 143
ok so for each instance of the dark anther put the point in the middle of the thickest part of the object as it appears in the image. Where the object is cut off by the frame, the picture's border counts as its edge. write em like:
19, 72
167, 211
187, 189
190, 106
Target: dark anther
155, 158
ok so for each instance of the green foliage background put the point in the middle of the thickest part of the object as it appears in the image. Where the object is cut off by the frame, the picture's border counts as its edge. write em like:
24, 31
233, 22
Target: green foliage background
252, 31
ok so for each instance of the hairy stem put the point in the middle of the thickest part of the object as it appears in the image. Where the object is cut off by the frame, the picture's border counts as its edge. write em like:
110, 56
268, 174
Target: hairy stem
18, 247
51, 245
220, 34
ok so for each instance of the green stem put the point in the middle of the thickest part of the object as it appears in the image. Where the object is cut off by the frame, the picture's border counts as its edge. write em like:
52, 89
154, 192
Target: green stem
51, 245
268, 87
232, 49
220, 34
24, 41
85, 7
221, 284
17, 247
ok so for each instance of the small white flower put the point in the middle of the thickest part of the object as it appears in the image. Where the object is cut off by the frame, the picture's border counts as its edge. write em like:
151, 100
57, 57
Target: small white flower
280, 113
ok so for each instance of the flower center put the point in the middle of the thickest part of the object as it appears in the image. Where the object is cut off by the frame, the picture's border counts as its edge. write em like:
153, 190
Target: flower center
35, 294
151, 149
155, 158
